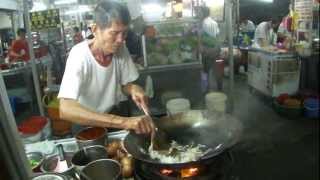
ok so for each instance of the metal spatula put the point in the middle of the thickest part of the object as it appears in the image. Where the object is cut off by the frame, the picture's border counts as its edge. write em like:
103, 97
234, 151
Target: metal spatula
62, 164
158, 138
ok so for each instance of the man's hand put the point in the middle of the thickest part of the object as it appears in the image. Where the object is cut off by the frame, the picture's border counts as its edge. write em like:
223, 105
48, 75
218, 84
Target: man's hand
140, 124
138, 95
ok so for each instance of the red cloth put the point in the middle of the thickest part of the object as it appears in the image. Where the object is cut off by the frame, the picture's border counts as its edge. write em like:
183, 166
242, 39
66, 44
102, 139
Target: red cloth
17, 46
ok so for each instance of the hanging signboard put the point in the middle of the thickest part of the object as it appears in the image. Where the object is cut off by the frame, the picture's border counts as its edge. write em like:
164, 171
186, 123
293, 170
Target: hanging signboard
45, 19
304, 9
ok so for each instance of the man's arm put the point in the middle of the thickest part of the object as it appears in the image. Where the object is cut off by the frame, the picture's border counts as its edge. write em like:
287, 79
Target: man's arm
14, 54
13, 50
71, 110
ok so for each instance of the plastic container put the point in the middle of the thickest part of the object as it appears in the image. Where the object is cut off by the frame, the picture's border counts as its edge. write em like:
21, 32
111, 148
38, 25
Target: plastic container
32, 129
31, 138
286, 111
59, 126
216, 101
178, 105
13, 103
311, 106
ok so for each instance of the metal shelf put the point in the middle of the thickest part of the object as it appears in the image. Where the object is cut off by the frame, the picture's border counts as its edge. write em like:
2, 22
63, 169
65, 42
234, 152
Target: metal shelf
169, 67
171, 21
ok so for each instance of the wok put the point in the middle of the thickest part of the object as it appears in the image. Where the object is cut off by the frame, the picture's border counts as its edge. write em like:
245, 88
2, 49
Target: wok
214, 130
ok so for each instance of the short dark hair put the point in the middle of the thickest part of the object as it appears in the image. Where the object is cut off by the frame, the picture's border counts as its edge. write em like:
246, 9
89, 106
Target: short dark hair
20, 31
108, 11
276, 19
76, 29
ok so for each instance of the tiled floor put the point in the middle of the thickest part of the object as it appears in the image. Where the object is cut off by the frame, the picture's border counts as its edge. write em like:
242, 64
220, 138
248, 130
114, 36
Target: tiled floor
273, 147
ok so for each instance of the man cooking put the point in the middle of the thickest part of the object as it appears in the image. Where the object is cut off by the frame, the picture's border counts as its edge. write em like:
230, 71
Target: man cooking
98, 71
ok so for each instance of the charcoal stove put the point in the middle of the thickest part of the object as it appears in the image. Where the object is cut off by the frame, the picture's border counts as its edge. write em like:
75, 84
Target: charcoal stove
216, 168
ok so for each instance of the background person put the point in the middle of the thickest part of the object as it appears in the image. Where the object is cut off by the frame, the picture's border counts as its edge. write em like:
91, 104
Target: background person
19, 50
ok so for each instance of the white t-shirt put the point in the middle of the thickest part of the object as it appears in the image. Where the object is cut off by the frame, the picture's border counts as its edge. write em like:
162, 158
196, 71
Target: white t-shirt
247, 27
210, 26
96, 87
264, 31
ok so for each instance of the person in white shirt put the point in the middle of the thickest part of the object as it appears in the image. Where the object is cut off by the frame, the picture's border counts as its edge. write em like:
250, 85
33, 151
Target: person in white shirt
99, 71
210, 49
247, 26
210, 26
265, 33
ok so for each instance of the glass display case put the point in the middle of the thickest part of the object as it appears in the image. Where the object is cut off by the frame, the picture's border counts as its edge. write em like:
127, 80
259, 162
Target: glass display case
172, 42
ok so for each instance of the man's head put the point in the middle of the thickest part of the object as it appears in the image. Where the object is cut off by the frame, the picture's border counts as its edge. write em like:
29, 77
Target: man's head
275, 22
243, 19
21, 32
111, 25
205, 12
76, 29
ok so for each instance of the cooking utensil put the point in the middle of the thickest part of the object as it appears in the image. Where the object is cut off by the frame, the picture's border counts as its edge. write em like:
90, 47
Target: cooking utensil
103, 169
50, 164
63, 164
217, 131
88, 154
158, 139
82, 175
37, 157
51, 176
153, 132
91, 136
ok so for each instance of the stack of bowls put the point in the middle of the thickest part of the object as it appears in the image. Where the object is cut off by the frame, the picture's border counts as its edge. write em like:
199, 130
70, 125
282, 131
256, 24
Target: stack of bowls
216, 101
178, 105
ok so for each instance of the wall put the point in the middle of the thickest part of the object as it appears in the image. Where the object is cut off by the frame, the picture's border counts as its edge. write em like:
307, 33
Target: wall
5, 21
9, 4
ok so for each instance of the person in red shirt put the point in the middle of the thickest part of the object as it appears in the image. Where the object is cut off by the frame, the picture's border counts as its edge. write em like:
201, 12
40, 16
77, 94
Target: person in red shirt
19, 50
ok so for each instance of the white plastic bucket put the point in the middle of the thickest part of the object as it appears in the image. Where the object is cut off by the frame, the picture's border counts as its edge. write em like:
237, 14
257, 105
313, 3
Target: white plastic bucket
216, 101
177, 105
